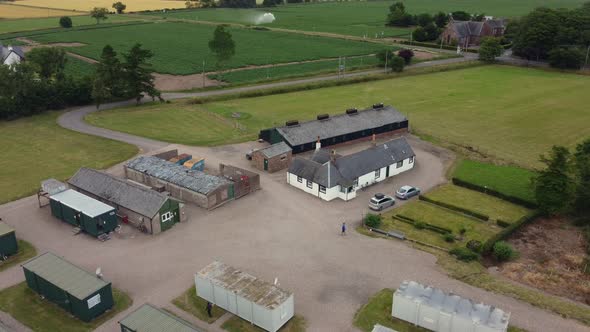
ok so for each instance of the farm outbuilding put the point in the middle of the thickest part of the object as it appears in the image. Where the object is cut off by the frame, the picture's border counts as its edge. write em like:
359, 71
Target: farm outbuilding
352, 125
244, 181
261, 303
80, 293
205, 190
148, 318
436, 310
141, 206
273, 158
8, 243
90, 215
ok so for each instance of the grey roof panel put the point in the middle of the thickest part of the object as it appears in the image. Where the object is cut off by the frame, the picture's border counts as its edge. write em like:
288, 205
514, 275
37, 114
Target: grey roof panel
136, 198
276, 150
5, 229
304, 168
148, 318
80, 202
53, 186
308, 132
179, 175
381, 328
496, 23
65, 275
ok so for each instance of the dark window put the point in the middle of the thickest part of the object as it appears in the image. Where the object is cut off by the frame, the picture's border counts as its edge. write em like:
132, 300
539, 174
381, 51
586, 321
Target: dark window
377, 173
400, 164
283, 157
299, 179
309, 184
411, 160
356, 182
322, 189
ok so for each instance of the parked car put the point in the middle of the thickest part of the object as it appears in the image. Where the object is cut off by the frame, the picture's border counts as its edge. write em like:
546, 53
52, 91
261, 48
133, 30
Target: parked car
407, 192
380, 202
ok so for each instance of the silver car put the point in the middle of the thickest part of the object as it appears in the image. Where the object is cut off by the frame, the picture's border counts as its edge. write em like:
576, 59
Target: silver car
380, 202
407, 192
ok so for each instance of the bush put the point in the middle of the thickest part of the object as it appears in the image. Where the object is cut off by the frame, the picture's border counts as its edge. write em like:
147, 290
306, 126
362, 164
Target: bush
502, 223
406, 54
373, 220
462, 230
420, 225
474, 245
448, 237
65, 22
503, 251
464, 254
397, 64
566, 58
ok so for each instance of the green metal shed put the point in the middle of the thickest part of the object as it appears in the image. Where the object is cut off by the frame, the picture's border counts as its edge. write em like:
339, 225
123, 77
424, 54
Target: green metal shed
148, 318
82, 294
92, 216
8, 244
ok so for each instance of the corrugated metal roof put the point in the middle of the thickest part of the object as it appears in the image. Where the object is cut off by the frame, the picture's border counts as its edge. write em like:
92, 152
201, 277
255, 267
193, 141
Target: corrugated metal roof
65, 275
179, 175
148, 318
245, 285
5, 229
481, 313
308, 132
380, 328
80, 202
276, 149
136, 198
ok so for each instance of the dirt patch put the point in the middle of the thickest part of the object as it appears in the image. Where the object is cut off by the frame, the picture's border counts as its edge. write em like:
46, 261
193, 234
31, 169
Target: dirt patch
552, 258
165, 82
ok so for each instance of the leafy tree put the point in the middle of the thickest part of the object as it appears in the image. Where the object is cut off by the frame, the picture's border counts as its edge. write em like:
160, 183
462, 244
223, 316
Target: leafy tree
398, 17
99, 14
582, 171
461, 15
65, 22
119, 7
428, 33
489, 49
237, 3
48, 61
537, 33
100, 92
441, 19
208, 4
478, 17
271, 3
424, 19
222, 45
382, 55
554, 186
566, 58
407, 55
138, 74
397, 64
109, 79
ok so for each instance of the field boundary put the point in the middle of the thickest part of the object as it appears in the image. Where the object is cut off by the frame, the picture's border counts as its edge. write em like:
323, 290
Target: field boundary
41, 32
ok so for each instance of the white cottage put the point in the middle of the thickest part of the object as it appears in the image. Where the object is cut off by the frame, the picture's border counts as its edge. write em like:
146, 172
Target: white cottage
11, 55
329, 176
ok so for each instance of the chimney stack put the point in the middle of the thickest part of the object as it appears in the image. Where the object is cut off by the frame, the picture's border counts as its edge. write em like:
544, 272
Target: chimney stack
318, 144
333, 155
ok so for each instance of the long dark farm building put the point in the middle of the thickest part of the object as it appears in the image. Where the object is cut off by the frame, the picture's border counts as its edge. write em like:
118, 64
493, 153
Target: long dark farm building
352, 125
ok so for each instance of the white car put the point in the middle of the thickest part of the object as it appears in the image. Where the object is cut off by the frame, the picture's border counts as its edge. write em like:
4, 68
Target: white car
380, 202
407, 192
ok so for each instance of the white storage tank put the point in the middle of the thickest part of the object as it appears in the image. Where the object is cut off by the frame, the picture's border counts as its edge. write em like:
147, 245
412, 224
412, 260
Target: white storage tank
435, 310
261, 303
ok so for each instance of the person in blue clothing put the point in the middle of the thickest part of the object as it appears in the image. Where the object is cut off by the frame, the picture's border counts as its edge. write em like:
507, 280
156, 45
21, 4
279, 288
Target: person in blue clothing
343, 229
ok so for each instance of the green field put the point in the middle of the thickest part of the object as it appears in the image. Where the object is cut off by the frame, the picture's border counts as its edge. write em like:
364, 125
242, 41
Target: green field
78, 68
180, 48
28, 24
360, 18
508, 113
36, 148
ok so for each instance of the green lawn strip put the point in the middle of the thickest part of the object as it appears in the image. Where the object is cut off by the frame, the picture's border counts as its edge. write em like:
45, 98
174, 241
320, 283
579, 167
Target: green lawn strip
415, 234
479, 202
40, 315
25, 252
196, 306
508, 180
378, 311
497, 118
236, 324
36, 148
28, 24
185, 53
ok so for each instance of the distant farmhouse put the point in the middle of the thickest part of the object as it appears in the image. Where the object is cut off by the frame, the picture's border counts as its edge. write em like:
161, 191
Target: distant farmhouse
350, 126
11, 55
470, 33
329, 176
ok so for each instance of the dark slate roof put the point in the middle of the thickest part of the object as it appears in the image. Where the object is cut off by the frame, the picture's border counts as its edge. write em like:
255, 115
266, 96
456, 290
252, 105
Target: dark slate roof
496, 23
308, 132
134, 197
179, 175
5, 52
322, 156
467, 28
344, 170
275, 150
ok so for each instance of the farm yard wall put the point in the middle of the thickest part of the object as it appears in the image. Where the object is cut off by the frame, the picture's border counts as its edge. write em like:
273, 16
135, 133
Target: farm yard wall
241, 186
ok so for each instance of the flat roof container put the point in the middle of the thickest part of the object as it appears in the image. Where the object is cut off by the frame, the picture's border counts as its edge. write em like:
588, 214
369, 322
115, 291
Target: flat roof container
195, 164
78, 292
261, 303
436, 310
148, 318
92, 216
8, 243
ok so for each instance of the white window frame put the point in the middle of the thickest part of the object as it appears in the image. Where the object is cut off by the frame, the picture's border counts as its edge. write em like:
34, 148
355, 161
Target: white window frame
309, 184
322, 189
166, 217
299, 179
400, 164
377, 173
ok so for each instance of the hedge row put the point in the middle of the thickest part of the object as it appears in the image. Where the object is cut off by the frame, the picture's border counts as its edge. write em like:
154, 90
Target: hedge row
506, 232
492, 192
432, 45
455, 208
502, 223
431, 227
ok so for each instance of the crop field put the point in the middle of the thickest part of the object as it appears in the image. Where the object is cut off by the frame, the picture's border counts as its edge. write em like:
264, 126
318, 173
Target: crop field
77, 5
29, 24
11, 11
78, 68
366, 18
180, 48
490, 108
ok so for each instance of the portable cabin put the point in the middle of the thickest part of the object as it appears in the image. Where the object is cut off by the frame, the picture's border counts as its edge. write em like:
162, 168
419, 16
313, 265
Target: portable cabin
261, 303
80, 293
195, 164
8, 243
148, 318
91, 215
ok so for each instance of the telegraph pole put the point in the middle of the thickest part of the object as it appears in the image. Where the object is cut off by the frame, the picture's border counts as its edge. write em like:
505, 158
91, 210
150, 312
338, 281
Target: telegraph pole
203, 73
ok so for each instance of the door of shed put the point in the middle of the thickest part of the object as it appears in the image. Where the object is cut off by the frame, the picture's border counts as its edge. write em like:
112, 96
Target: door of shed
8, 243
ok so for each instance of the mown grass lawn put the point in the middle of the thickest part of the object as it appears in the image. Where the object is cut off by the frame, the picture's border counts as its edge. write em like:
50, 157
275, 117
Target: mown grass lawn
180, 48
508, 113
196, 306
36, 148
40, 315
25, 252
236, 324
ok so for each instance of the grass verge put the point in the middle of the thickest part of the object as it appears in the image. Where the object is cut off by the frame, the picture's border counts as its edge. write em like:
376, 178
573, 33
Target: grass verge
25, 252
40, 315
196, 306
236, 324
